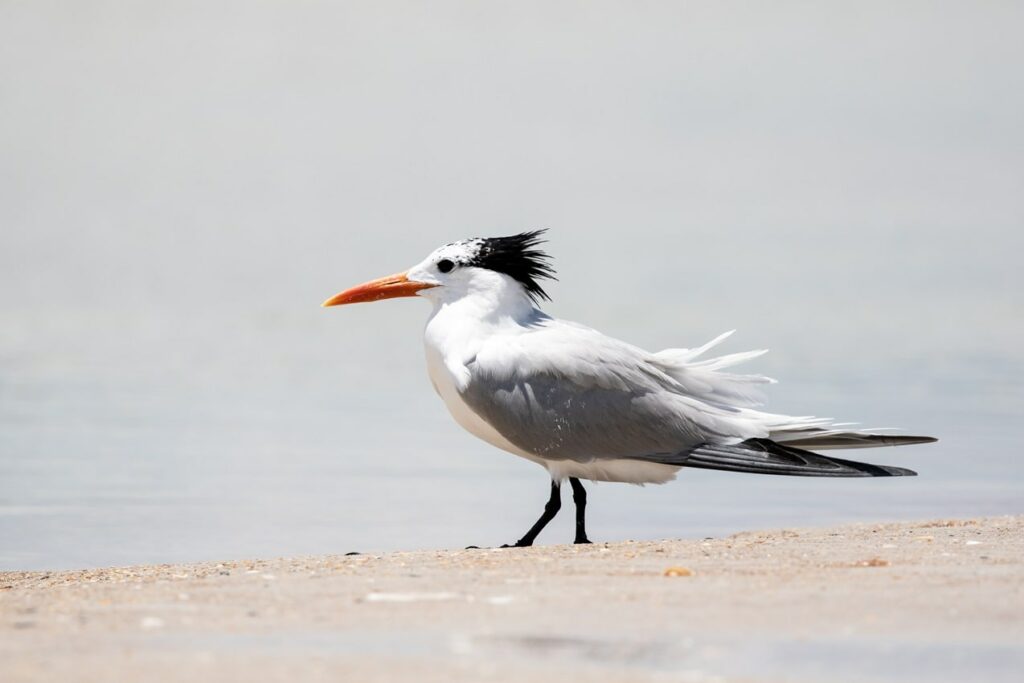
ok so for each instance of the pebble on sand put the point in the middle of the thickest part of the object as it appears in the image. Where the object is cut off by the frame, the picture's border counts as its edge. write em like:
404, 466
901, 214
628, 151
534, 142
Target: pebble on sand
678, 571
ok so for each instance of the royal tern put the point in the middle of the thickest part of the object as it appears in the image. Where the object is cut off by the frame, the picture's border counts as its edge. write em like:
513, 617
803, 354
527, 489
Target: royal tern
584, 405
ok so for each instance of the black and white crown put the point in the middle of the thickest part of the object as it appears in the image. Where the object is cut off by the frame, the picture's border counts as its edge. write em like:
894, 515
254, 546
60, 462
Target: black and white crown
517, 256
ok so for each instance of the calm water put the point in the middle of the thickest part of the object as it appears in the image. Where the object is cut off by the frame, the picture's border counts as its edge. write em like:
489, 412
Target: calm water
264, 441
179, 191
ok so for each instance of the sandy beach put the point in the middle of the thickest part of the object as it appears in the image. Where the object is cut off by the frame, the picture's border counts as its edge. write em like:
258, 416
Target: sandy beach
936, 600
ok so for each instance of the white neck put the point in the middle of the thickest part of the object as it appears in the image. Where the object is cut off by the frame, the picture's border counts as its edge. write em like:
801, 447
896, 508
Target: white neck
465, 317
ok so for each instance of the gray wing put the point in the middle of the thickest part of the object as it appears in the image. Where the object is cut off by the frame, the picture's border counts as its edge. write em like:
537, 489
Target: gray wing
568, 392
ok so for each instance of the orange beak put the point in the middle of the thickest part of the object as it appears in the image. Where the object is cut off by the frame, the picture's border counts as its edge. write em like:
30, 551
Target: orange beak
388, 287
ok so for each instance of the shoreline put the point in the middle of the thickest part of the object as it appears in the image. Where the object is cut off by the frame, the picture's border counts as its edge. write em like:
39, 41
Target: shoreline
935, 600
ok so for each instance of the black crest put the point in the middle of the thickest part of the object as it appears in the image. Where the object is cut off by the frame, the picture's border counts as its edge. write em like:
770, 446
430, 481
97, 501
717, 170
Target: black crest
518, 257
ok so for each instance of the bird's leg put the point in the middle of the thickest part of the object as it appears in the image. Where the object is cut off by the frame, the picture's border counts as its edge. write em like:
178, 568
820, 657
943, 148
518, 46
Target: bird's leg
551, 509
579, 496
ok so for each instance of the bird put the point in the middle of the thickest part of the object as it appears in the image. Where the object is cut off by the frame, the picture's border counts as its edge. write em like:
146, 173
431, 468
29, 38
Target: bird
586, 406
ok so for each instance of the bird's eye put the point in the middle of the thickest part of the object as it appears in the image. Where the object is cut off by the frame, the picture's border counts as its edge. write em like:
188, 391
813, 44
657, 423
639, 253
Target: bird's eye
445, 266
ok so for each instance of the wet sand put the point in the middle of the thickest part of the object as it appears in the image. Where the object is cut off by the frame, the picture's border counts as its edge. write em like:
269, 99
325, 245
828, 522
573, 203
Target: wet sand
936, 601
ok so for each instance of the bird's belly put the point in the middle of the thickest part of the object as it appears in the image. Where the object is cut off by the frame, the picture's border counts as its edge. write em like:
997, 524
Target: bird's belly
621, 470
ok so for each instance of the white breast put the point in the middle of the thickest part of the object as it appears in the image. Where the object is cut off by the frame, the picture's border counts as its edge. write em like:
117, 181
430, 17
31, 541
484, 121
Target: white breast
451, 339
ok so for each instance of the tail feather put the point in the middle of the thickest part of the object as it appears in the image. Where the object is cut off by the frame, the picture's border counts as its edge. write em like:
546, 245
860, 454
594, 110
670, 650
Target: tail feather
728, 360
687, 355
703, 379
856, 440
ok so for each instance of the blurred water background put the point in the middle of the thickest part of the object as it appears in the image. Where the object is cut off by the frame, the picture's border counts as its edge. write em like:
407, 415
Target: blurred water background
181, 185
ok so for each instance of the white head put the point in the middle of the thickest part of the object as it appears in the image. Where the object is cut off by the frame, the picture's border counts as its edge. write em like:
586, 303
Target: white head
504, 266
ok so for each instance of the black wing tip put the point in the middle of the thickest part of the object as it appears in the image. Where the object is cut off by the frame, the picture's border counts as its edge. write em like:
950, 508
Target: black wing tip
764, 456
907, 440
865, 469
891, 471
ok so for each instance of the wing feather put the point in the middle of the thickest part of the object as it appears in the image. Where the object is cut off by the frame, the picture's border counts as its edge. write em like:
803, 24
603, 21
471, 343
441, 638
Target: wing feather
564, 391
761, 456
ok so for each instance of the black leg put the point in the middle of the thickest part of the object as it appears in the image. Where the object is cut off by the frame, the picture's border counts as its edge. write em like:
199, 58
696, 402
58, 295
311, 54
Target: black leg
579, 496
551, 509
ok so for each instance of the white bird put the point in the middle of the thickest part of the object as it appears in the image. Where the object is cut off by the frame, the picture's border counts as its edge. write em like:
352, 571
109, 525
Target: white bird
584, 405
